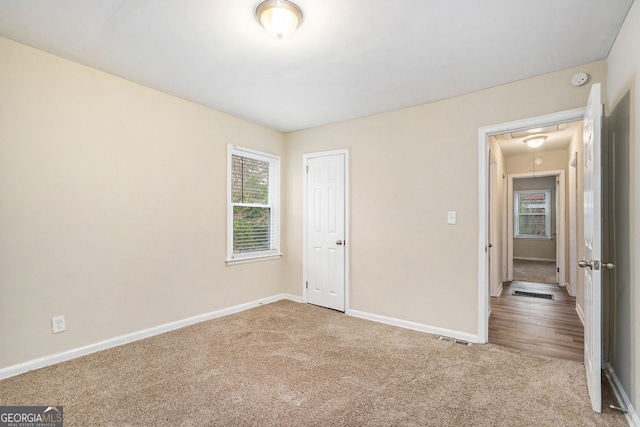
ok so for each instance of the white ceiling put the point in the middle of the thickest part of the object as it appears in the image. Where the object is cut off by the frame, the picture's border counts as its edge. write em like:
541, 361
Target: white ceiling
558, 138
350, 58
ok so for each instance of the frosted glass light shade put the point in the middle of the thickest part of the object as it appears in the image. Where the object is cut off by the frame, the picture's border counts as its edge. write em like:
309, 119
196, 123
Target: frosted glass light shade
536, 141
279, 17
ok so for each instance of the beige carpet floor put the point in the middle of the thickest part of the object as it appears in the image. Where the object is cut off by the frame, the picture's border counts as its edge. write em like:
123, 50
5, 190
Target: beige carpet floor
291, 364
534, 271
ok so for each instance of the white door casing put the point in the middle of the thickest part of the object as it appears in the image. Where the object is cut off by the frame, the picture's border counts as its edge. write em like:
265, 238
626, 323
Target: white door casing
561, 229
325, 230
505, 230
573, 226
495, 284
593, 245
557, 238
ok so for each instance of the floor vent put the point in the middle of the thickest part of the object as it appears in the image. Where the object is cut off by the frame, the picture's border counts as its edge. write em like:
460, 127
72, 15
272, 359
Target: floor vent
532, 294
453, 340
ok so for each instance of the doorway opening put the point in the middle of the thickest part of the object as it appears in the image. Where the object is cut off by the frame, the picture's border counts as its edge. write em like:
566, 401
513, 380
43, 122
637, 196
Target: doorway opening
534, 312
536, 225
488, 146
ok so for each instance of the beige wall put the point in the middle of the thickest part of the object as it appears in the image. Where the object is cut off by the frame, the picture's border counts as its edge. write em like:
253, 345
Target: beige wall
623, 76
113, 203
408, 168
551, 160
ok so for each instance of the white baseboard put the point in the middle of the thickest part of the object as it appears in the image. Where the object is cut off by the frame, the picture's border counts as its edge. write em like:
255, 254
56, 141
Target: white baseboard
414, 326
524, 258
41, 362
580, 314
621, 395
499, 293
291, 297
567, 286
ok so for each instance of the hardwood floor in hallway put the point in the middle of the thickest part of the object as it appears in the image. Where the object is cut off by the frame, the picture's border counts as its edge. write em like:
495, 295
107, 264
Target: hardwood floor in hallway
535, 325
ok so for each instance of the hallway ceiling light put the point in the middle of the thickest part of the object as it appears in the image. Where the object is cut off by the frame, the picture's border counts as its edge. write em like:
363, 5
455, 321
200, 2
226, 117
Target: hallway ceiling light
279, 17
535, 141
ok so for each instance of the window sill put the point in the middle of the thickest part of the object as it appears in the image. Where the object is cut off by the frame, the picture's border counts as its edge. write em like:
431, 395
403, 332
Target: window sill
247, 260
532, 237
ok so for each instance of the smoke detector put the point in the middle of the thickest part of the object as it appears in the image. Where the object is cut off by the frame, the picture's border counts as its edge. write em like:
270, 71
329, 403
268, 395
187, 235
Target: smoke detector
579, 79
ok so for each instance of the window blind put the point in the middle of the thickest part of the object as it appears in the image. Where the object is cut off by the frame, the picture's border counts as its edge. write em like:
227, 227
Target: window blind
254, 217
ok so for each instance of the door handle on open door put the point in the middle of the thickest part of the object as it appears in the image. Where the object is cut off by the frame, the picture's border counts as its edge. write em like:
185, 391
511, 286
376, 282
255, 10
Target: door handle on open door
608, 265
585, 264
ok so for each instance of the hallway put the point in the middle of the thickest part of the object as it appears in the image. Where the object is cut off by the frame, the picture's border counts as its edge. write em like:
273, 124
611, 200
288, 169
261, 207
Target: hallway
536, 325
534, 271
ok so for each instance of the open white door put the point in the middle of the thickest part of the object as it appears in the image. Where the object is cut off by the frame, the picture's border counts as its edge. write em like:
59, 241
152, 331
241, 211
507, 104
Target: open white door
592, 246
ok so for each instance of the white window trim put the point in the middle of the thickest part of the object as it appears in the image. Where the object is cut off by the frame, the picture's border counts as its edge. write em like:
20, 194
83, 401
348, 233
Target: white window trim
274, 202
547, 215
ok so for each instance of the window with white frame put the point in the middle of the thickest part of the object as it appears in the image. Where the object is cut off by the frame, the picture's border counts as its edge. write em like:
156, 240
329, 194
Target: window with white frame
532, 213
253, 216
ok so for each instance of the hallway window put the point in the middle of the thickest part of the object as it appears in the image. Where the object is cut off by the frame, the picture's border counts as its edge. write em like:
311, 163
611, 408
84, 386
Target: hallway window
532, 213
253, 217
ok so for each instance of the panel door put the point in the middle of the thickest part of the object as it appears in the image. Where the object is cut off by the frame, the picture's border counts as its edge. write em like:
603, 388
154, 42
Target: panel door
326, 231
592, 246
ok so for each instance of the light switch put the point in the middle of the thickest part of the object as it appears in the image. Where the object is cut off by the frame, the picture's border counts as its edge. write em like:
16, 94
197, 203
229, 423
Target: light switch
451, 217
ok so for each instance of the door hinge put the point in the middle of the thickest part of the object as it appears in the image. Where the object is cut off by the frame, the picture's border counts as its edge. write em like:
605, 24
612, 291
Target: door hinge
558, 270
307, 285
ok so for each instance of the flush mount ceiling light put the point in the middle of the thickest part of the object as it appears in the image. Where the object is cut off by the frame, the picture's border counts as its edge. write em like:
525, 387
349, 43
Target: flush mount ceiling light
535, 141
279, 17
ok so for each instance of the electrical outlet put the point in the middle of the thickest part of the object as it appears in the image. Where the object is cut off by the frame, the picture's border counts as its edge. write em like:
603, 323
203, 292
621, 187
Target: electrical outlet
57, 323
